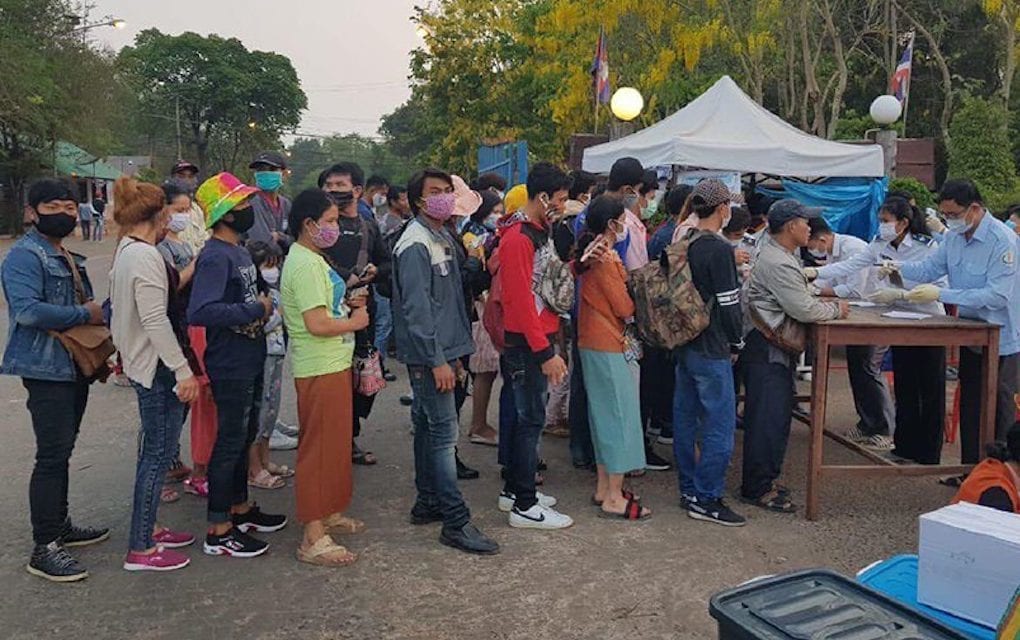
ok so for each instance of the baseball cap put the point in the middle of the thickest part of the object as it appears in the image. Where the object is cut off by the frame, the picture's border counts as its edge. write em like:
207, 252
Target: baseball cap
183, 165
785, 210
626, 172
712, 192
221, 193
271, 158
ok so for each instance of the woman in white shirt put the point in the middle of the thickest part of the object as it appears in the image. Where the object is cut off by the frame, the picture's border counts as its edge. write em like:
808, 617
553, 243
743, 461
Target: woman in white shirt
919, 373
143, 327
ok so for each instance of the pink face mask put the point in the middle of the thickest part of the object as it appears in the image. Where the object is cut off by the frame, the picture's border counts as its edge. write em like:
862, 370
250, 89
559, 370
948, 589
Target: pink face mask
325, 237
440, 206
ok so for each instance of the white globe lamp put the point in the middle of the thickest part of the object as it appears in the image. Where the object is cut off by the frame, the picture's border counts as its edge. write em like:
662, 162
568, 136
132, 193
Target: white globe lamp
627, 103
886, 110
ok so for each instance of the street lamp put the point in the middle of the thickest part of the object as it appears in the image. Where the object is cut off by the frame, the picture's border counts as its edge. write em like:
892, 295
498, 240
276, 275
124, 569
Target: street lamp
886, 110
108, 21
627, 103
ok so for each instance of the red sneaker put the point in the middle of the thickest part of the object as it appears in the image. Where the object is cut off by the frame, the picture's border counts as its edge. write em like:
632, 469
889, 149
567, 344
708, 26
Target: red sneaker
159, 560
173, 539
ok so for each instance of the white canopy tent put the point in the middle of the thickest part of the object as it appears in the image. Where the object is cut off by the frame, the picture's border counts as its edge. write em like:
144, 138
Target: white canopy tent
725, 129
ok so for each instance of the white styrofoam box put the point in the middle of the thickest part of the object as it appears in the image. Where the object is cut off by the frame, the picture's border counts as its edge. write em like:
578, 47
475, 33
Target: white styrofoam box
969, 561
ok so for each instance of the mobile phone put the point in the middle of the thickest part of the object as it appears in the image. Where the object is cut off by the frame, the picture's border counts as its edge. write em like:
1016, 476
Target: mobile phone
357, 292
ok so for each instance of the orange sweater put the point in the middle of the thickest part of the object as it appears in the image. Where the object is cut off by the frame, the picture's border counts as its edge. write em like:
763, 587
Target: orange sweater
605, 304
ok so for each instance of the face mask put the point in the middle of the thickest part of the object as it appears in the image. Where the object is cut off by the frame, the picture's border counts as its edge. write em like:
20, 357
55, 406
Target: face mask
179, 222
735, 242
55, 225
957, 225
342, 199
268, 180
650, 210
887, 231
440, 206
271, 276
378, 200
818, 255
1011, 224
244, 219
325, 237
491, 222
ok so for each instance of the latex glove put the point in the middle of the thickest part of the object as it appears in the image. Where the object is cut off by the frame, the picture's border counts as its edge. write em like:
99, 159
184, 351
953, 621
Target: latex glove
887, 269
934, 225
887, 296
810, 273
923, 293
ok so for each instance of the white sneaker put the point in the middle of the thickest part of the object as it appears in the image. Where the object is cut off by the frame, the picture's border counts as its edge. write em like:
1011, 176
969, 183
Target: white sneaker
506, 501
287, 429
281, 442
539, 517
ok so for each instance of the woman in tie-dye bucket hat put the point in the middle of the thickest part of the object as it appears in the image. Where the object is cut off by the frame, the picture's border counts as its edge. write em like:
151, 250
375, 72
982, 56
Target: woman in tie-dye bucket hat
225, 300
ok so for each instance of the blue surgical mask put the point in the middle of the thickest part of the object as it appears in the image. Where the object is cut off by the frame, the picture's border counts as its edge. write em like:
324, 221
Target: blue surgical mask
1011, 224
269, 180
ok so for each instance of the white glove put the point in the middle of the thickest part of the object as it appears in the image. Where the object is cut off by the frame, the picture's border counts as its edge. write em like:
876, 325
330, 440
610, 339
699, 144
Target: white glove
887, 296
887, 269
923, 293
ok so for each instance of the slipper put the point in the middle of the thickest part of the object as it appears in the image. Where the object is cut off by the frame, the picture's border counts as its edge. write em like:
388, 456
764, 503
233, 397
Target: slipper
557, 431
265, 480
343, 524
281, 470
326, 553
366, 458
474, 438
168, 494
954, 482
633, 511
773, 500
627, 493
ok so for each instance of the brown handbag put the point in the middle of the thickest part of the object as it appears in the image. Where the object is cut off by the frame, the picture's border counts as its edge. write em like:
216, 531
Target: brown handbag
89, 345
790, 336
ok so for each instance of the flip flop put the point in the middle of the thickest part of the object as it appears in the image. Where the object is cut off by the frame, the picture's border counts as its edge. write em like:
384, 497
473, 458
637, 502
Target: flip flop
474, 438
627, 493
633, 511
774, 500
168, 494
344, 524
280, 470
326, 553
265, 480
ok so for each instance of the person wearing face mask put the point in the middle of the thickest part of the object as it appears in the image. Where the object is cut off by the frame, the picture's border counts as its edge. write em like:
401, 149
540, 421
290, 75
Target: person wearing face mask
43, 295
225, 300
433, 333
362, 259
376, 188
184, 178
864, 363
177, 252
322, 318
918, 372
398, 212
978, 256
270, 206
648, 204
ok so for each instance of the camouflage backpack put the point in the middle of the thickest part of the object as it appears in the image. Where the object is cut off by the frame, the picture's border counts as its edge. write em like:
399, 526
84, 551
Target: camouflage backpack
668, 307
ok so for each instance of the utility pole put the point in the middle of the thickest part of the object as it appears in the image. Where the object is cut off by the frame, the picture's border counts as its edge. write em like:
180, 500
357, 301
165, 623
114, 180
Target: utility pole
177, 118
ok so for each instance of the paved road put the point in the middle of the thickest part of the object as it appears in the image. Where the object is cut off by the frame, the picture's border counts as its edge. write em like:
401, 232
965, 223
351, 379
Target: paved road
601, 579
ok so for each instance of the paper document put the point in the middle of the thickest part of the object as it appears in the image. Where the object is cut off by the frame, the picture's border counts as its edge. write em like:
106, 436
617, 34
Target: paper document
906, 315
862, 303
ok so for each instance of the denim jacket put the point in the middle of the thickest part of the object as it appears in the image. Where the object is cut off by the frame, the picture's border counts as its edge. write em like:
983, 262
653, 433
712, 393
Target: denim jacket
39, 289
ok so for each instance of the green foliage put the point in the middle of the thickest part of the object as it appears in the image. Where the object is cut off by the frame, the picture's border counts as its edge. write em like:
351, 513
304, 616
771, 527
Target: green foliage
309, 156
922, 196
979, 149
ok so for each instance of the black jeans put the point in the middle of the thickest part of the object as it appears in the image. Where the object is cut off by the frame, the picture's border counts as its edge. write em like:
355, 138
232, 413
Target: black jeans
768, 409
530, 394
970, 401
919, 384
57, 409
582, 451
237, 410
658, 379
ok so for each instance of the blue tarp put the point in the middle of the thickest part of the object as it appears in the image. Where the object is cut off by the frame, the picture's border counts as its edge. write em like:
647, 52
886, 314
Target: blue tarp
851, 204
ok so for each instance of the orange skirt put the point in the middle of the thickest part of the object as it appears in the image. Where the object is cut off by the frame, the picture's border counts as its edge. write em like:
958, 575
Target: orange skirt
323, 480
203, 411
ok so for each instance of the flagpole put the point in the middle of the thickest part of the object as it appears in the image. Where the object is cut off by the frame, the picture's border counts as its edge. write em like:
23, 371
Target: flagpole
595, 79
910, 80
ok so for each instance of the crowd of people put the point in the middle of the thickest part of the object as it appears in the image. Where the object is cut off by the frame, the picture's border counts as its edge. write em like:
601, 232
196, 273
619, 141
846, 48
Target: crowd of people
214, 285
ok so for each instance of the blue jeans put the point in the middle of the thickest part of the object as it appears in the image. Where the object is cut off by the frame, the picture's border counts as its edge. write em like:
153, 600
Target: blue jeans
237, 418
434, 416
162, 417
529, 391
383, 324
704, 411
507, 416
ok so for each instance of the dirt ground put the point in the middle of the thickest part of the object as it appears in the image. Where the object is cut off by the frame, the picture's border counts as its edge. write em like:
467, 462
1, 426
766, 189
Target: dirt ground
600, 579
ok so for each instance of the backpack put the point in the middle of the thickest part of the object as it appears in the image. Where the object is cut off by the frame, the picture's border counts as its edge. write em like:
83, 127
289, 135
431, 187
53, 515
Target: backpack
669, 310
556, 286
492, 314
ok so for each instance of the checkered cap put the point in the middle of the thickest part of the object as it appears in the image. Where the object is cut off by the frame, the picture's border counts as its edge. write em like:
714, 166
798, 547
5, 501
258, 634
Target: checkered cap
711, 192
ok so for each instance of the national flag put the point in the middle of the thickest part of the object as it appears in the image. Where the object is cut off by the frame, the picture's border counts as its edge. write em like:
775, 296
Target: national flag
899, 86
600, 70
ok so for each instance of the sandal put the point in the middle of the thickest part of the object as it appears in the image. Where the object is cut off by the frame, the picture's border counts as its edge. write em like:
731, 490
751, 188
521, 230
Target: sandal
491, 441
178, 471
197, 487
280, 470
953, 481
627, 494
365, 458
343, 524
265, 480
326, 553
169, 494
633, 511
774, 500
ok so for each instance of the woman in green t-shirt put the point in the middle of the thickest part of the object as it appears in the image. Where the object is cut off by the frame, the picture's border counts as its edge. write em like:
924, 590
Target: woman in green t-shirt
321, 320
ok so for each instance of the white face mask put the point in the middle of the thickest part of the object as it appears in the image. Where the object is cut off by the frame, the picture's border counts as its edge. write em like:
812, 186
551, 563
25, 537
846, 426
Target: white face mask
887, 231
179, 222
957, 225
271, 276
735, 242
378, 200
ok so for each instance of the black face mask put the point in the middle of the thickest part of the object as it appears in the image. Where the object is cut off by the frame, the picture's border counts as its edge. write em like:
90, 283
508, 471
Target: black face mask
244, 220
55, 225
342, 199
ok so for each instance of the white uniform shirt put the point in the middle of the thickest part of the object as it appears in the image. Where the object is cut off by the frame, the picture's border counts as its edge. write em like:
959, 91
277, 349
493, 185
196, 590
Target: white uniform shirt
860, 284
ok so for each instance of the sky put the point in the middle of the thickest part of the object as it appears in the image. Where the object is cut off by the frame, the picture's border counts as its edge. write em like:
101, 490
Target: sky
351, 55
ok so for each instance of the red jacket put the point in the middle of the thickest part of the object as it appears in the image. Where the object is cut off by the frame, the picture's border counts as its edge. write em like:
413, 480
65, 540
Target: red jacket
526, 321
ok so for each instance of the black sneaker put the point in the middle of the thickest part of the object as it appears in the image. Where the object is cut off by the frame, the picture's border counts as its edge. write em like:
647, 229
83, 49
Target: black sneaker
234, 543
407, 400
686, 500
258, 521
655, 462
53, 562
469, 540
73, 536
714, 511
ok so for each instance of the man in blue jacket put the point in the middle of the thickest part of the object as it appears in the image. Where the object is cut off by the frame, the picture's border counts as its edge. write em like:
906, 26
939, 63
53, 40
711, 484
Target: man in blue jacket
44, 295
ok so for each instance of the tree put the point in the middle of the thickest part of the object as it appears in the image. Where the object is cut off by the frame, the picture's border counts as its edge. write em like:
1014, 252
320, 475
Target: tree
309, 156
220, 87
979, 149
1006, 14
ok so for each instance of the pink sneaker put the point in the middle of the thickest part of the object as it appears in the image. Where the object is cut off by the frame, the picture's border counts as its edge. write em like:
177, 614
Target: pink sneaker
197, 487
159, 560
172, 539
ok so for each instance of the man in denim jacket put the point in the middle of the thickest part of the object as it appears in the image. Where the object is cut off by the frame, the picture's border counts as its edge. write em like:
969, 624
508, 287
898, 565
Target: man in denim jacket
40, 291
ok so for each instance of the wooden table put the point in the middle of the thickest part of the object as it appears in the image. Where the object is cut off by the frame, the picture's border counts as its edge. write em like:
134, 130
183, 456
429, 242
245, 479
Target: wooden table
867, 326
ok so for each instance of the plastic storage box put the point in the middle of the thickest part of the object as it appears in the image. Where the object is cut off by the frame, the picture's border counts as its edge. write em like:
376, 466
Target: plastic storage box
819, 605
